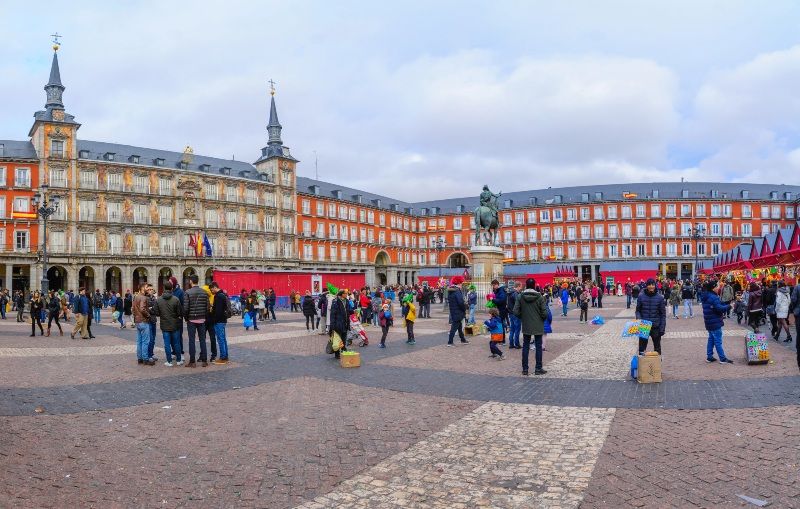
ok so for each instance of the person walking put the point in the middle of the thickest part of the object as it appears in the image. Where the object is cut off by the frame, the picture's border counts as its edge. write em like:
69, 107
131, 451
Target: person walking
81, 312
583, 303
149, 292
212, 335
754, 307
3, 303
727, 296
651, 306
36, 306
687, 294
458, 311
514, 323
310, 311
322, 305
19, 301
675, 301
340, 321
495, 328
271, 301
221, 311
409, 311
532, 311
53, 310
500, 301
127, 305
768, 296
714, 312
782, 304
177, 291
564, 301
119, 307
170, 312
141, 319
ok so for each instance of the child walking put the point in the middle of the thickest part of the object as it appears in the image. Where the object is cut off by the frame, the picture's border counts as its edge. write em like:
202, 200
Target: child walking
410, 314
584, 302
495, 327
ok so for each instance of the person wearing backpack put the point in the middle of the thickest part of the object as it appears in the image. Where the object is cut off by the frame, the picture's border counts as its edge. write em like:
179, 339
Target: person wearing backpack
531, 310
515, 325
97, 305
221, 310
170, 311
385, 319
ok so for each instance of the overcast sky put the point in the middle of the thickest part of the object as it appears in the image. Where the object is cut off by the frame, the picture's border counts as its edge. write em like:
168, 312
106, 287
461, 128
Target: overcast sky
423, 100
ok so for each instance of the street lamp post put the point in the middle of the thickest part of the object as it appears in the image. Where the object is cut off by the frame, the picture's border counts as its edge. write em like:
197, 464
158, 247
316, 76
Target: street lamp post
697, 233
45, 206
439, 244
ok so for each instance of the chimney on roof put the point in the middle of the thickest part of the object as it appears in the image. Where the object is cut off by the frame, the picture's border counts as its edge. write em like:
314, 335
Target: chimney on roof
337, 194
314, 189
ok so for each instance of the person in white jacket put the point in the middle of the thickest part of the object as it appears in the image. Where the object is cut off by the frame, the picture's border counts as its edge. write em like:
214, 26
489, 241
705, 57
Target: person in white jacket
782, 305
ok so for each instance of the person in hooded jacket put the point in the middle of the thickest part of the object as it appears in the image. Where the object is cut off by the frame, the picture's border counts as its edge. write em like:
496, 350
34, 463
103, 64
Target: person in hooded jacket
458, 310
782, 304
53, 310
651, 306
754, 306
714, 312
768, 295
309, 311
532, 312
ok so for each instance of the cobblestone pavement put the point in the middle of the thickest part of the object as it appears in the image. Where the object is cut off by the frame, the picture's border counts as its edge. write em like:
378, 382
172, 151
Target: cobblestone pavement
415, 426
500, 455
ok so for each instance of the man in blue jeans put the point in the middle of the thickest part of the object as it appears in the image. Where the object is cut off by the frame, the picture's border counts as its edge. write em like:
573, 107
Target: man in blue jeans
714, 312
169, 308
219, 313
514, 323
531, 309
195, 309
458, 310
141, 317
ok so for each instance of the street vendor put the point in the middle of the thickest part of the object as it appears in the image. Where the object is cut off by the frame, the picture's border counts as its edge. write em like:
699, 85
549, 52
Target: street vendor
652, 306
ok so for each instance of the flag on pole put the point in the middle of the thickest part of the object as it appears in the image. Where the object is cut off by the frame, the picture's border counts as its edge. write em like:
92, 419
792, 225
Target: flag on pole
198, 245
193, 243
207, 245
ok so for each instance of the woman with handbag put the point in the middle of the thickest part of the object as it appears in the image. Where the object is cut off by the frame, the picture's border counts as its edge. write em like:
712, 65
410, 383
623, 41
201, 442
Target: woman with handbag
37, 305
53, 310
385, 320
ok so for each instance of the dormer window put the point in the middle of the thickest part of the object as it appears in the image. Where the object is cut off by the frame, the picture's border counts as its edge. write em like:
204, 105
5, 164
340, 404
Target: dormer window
557, 199
394, 207
337, 194
205, 167
83, 154
314, 190
773, 195
532, 200
655, 193
264, 177
787, 196
158, 161
225, 170
109, 156
459, 208
357, 198
714, 193
377, 202
684, 193
745, 194
584, 197
598, 195
508, 204
424, 211
183, 165
2, 149
134, 159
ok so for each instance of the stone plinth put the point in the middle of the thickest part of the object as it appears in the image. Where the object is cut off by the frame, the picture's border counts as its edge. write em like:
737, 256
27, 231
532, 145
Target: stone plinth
487, 264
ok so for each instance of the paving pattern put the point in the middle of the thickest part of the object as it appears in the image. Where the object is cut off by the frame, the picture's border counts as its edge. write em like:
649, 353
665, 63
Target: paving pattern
416, 426
500, 455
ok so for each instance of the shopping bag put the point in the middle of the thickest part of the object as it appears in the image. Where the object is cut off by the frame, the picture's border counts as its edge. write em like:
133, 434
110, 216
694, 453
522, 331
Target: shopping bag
336, 342
635, 367
115, 315
598, 320
248, 320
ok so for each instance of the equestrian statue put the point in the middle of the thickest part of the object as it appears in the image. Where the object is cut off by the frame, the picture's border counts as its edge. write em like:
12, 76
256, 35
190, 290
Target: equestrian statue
486, 218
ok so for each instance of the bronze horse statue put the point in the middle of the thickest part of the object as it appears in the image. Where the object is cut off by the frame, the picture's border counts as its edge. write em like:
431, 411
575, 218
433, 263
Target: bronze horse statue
486, 219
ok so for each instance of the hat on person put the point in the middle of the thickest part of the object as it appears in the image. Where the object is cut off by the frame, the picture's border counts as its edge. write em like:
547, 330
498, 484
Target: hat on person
457, 280
650, 281
173, 280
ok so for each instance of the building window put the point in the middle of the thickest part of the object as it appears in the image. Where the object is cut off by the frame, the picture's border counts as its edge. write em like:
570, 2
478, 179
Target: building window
687, 249
165, 214
531, 216
670, 210
627, 252
141, 184
598, 251
672, 249
626, 231
641, 230
626, 212
655, 210
21, 240
231, 218
641, 250
22, 177
775, 212
545, 234
765, 212
586, 252
686, 210
231, 193
599, 231
656, 249
585, 213
716, 229
320, 208
572, 215
715, 248
655, 229
20, 204
747, 230
544, 216
612, 250
598, 213
612, 212
57, 148
671, 229
613, 231
640, 210
747, 210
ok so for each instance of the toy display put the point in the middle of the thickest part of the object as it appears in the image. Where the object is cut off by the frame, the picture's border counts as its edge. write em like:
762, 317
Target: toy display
637, 329
756, 348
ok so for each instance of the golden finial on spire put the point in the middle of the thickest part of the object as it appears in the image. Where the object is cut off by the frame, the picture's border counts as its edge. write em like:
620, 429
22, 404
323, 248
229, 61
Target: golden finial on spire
271, 87
56, 44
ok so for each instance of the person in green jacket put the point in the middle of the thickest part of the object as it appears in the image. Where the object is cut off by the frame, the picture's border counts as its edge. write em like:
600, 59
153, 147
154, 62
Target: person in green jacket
530, 308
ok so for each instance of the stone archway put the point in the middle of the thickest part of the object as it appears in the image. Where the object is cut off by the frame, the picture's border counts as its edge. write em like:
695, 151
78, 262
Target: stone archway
86, 279
187, 273
139, 278
381, 263
114, 279
457, 260
163, 276
57, 278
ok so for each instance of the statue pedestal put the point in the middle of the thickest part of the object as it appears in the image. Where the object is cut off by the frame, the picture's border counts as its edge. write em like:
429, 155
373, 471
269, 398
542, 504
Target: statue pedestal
487, 264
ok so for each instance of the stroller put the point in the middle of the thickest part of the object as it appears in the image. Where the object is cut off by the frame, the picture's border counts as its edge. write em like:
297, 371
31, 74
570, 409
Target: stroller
356, 332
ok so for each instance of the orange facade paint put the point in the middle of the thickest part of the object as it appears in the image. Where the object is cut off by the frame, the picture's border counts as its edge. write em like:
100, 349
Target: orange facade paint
19, 225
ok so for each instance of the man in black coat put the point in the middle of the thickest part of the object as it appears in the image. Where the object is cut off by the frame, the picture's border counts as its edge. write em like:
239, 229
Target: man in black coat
458, 310
652, 306
340, 321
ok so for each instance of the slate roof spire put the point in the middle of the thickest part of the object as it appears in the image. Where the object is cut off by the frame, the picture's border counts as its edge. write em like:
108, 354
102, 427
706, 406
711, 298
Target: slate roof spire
54, 88
274, 126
